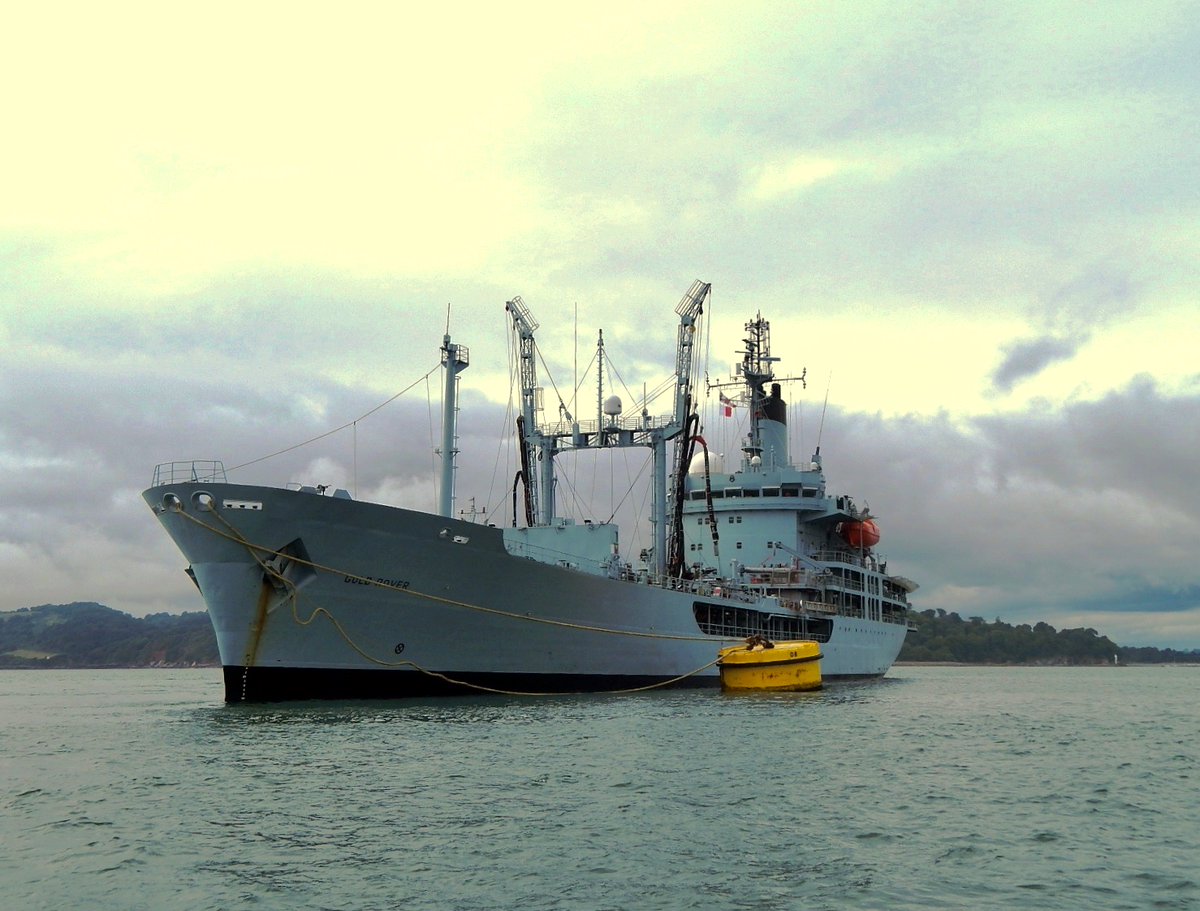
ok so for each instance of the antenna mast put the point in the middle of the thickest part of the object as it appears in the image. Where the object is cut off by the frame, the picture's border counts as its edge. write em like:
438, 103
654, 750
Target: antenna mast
456, 359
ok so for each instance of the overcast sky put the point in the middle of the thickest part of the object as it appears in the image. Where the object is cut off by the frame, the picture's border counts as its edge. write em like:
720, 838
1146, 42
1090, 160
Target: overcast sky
225, 230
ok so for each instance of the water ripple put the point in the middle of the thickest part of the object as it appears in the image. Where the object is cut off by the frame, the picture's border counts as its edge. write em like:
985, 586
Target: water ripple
934, 788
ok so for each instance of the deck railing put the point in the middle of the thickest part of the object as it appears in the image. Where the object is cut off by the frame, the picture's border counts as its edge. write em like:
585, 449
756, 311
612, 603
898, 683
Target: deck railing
193, 471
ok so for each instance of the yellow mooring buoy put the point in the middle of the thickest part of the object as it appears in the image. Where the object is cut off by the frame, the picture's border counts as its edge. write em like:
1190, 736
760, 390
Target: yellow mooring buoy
764, 665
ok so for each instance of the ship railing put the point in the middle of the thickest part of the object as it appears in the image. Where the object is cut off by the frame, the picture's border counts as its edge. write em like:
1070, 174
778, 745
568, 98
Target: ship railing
843, 610
850, 585
851, 557
631, 422
709, 587
806, 606
192, 471
868, 560
748, 594
781, 576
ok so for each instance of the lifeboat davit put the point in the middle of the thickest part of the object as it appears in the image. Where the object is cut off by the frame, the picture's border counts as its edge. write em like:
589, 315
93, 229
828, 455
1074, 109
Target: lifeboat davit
864, 534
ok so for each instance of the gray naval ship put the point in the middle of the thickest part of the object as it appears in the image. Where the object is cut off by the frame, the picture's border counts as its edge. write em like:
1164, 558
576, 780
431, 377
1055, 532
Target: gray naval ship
315, 595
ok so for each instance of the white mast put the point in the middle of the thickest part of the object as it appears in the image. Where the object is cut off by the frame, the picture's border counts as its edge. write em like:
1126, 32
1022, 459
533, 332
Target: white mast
455, 358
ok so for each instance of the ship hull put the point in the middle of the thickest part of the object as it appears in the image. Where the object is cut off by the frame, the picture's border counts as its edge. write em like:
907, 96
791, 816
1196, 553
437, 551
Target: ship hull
317, 597
283, 684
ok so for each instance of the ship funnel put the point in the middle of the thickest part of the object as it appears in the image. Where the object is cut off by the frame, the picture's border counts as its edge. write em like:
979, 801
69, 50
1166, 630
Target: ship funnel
772, 430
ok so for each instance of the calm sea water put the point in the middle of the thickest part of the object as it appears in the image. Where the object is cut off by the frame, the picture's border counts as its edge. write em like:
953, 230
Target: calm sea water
933, 788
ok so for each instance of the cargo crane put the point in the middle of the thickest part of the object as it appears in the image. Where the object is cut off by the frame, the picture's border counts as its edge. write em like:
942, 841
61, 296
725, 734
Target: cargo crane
541, 443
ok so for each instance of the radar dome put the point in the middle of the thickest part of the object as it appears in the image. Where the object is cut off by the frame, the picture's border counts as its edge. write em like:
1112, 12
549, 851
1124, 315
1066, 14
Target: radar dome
716, 464
612, 406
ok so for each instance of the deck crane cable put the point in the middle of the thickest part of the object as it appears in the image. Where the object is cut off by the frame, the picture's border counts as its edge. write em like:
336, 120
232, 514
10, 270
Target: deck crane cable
502, 449
408, 388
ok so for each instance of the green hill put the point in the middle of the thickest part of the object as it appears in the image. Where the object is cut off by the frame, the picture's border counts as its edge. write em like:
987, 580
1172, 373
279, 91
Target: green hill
86, 634
942, 636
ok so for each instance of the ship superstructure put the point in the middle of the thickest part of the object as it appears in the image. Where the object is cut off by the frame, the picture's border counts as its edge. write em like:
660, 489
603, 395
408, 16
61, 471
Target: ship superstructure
773, 526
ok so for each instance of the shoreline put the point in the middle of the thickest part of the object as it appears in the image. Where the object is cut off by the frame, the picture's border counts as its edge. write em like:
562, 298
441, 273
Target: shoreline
1041, 664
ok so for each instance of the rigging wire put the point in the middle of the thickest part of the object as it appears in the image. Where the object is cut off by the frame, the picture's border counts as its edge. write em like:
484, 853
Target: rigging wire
629, 490
327, 433
587, 371
821, 426
503, 439
432, 447
575, 393
549, 375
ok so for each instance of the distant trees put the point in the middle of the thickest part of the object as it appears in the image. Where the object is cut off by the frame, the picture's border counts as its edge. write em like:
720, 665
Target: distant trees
942, 636
1150, 655
86, 634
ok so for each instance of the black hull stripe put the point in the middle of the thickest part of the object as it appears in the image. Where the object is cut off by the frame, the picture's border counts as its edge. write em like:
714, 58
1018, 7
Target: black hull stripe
287, 684
780, 663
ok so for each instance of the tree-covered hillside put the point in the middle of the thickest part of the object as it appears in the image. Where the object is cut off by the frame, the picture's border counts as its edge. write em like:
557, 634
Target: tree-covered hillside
942, 636
86, 634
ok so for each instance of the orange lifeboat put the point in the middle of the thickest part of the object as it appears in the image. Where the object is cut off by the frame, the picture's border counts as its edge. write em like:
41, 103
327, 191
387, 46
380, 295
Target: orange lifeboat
864, 534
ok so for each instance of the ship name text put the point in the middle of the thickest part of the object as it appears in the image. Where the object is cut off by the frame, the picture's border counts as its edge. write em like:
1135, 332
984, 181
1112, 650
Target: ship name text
376, 580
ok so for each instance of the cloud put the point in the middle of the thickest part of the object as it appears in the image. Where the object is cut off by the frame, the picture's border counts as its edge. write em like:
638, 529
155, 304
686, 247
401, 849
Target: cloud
1026, 515
220, 261
1028, 358
1035, 514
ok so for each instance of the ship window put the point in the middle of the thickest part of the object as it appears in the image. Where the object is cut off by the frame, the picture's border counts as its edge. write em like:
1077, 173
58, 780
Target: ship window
731, 520
739, 545
718, 494
700, 521
810, 492
733, 491
696, 495
739, 520
770, 491
750, 492
740, 622
791, 490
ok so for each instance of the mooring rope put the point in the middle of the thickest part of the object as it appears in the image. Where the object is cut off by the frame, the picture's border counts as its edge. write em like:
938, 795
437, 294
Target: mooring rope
233, 534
